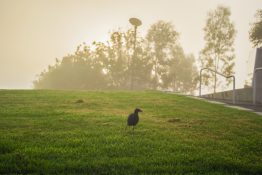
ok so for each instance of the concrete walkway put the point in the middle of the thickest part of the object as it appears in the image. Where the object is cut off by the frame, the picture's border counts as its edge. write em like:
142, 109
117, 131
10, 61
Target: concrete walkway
242, 106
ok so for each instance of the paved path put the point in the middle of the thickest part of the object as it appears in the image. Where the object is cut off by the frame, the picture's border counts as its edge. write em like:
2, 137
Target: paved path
242, 106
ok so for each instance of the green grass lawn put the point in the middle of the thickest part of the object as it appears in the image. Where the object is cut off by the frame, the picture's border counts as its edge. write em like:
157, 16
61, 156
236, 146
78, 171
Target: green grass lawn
47, 132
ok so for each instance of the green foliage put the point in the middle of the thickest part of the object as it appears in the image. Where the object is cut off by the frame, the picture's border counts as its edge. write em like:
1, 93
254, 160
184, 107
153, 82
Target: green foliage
218, 53
182, 73
78, 69
113, 65
162, 38
47, 132
255, 33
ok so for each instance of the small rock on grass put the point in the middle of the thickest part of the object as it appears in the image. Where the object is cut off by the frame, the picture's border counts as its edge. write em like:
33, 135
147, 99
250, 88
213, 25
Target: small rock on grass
80, 101
173, 120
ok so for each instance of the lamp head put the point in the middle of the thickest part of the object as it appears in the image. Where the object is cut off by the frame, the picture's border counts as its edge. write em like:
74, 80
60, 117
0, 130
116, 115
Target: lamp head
135, 22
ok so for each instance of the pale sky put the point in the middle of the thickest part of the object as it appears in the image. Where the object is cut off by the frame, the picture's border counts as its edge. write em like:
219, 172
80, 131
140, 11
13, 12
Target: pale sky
35, 32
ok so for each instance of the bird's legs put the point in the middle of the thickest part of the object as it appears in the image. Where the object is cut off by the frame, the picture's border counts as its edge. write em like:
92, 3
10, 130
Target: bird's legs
133, 128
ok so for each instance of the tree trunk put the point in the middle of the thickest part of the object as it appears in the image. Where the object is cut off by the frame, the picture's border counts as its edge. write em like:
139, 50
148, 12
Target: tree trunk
216, 68
155, 82
215, 84
174, 83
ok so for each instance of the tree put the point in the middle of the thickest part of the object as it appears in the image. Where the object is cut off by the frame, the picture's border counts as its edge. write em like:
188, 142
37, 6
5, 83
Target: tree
255, 33
117, 60
218, 53
161, 38
182, 72
109, 65
141, 66
123, 64
81, 70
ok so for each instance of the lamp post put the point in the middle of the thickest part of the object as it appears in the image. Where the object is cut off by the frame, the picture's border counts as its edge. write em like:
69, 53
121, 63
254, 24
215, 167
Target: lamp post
135, 22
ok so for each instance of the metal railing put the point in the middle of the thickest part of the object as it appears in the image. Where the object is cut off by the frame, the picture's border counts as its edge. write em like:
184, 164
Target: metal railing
255, 84
231, 76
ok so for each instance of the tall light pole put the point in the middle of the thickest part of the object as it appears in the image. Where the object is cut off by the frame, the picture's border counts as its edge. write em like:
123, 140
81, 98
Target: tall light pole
135, 22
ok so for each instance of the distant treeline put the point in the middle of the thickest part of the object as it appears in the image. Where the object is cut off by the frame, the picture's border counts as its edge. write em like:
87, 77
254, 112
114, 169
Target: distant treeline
159, 62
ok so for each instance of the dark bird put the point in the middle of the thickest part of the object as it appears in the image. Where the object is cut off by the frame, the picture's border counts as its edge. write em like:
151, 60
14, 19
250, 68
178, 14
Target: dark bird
133, 118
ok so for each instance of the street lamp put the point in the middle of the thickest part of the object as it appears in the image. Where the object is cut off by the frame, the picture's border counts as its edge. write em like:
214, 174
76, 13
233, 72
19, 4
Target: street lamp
135, 22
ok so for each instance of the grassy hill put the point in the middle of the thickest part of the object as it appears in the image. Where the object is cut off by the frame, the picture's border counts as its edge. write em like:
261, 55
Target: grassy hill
48, 132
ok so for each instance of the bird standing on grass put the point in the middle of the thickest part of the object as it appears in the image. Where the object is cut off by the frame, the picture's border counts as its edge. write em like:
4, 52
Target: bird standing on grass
133, 118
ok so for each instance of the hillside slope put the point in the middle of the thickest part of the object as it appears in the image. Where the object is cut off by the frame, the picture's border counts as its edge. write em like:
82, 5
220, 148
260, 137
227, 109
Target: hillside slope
83, 132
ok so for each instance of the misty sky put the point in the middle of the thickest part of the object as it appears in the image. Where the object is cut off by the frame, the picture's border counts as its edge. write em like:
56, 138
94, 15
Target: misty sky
35, 32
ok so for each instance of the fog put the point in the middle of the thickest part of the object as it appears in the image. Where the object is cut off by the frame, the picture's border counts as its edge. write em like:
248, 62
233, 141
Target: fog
35, 32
